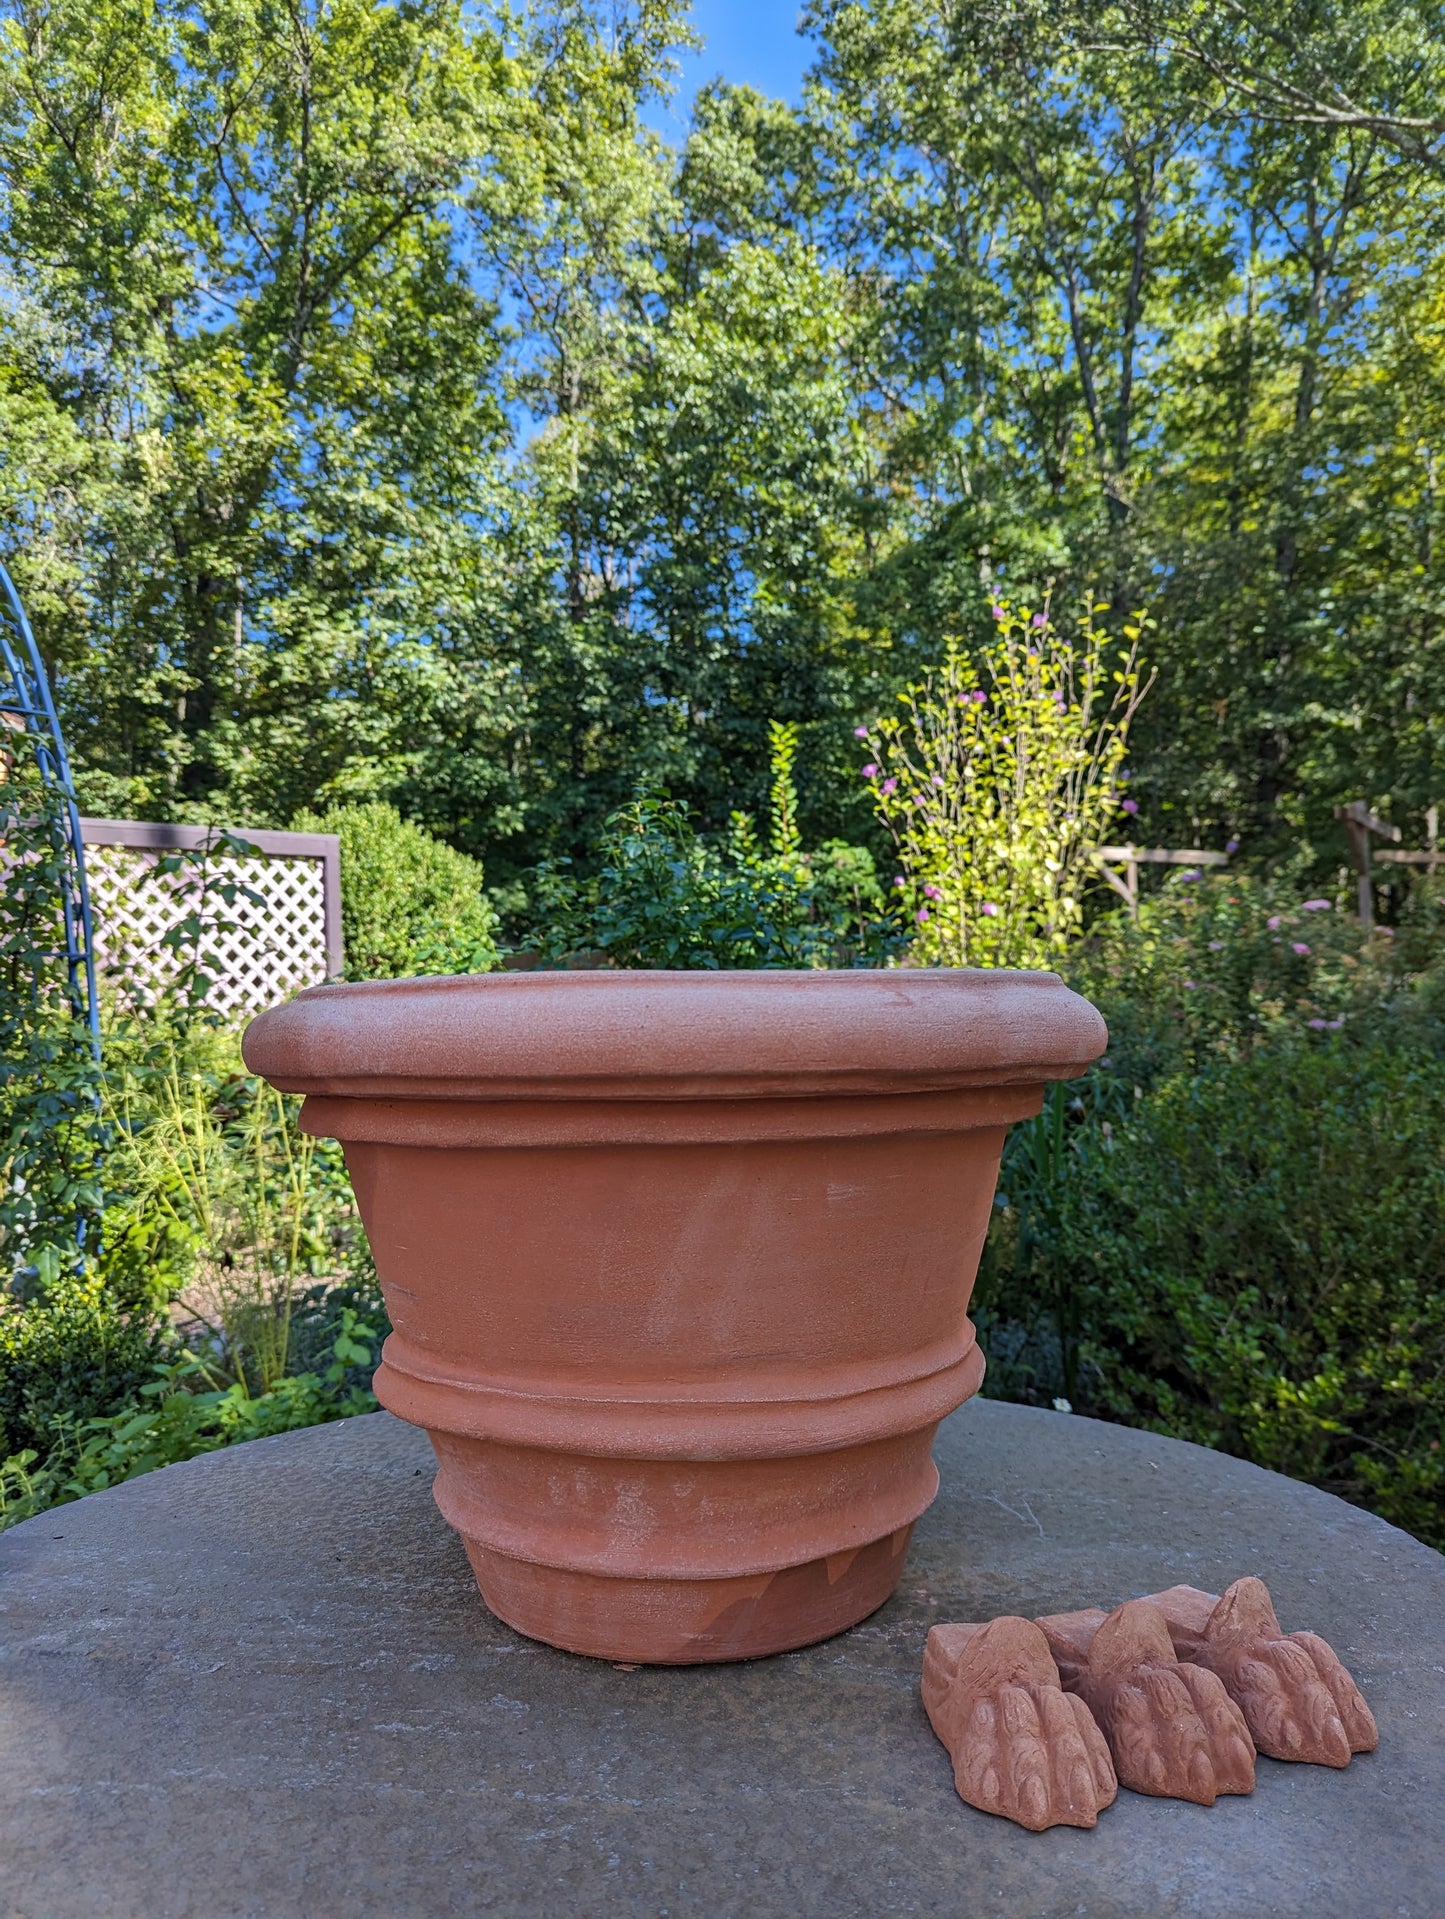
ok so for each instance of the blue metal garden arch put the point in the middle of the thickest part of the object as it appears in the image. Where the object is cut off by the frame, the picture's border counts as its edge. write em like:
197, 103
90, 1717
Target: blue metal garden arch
26, 702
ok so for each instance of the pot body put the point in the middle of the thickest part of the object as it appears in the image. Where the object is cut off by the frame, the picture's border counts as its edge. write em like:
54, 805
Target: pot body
678, 1270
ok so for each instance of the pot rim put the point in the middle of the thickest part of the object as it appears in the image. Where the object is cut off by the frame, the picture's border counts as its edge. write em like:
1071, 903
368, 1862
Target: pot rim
675, 1035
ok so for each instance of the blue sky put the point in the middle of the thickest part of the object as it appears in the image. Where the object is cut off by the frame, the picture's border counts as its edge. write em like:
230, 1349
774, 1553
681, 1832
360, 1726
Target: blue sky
750, 42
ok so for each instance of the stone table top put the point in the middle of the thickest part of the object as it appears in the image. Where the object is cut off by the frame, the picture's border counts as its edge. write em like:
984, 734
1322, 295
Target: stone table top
262, 1685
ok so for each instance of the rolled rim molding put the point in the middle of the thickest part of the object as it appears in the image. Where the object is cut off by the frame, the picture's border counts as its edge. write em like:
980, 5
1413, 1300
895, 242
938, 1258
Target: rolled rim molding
648, 1036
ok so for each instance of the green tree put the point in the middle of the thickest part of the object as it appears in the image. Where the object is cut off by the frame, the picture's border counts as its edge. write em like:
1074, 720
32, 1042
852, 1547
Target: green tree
260, 391
1125, 322
389, 414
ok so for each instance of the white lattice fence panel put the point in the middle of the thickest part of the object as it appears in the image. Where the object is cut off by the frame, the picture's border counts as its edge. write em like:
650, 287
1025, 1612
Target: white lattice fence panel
262, 952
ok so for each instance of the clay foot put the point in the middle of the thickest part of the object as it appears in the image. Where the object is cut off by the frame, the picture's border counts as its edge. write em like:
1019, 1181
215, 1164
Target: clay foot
1172, 1729
1297, 1699
1020, 1746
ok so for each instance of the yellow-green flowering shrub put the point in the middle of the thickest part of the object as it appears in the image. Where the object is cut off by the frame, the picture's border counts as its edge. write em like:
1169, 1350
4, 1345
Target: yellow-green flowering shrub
997, 781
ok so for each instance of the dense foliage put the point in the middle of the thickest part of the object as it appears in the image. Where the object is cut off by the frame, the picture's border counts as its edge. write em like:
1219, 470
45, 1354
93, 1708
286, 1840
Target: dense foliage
71, 1353
389, 414
663, 895
1258, 1261
1233, 1231
174, 1411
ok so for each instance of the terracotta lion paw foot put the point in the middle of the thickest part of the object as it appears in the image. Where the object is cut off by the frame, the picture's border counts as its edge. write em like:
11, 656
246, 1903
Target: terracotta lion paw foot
1297, 1699
1172, 1728
1020, 1745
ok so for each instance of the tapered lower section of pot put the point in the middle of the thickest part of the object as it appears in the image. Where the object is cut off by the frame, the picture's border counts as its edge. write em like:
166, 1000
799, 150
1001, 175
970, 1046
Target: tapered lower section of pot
674, 1561
690, 1622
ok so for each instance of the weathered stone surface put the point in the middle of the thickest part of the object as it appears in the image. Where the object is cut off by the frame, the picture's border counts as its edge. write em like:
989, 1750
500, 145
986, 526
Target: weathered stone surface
263, 1685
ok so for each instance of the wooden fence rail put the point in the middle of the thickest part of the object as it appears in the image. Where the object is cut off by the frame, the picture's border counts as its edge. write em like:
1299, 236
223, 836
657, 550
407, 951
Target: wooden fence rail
1119, 865
1131, 858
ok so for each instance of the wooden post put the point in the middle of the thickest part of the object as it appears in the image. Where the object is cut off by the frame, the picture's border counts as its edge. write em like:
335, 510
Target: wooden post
1360, 824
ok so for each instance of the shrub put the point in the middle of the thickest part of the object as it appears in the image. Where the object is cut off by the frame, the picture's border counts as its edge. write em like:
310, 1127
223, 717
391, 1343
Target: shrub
997, 782
410, 904
1258, 1255
660, 898
180, 1413
68, 1355
1233, 1229
1216, 965
663, 895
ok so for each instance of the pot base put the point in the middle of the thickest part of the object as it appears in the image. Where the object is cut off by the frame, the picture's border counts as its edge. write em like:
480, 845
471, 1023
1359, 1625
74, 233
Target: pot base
690, 1622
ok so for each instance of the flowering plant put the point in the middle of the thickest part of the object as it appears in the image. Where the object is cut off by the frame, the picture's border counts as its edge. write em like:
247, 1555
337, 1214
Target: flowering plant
1216, 968
997, 781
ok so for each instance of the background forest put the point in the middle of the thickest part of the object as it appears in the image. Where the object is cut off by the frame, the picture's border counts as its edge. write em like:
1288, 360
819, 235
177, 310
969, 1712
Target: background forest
386, 413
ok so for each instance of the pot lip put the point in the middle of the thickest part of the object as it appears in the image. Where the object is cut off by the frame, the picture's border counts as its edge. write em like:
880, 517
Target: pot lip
675, 1035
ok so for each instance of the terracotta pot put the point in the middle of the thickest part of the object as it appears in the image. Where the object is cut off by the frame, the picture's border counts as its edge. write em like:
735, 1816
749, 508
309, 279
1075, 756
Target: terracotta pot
679, 1267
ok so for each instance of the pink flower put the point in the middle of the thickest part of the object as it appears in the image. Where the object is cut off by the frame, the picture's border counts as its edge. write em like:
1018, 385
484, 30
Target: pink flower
1129, 806
1317, 1025
1273, 922
932, 893
989, 910
997, 612
1216, 946
860, 732
1039, 620
979, 699
1333, 1025
1315, 906
1189, 986
899, 880
1299, 947
870, 771
888, 786
922, 914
